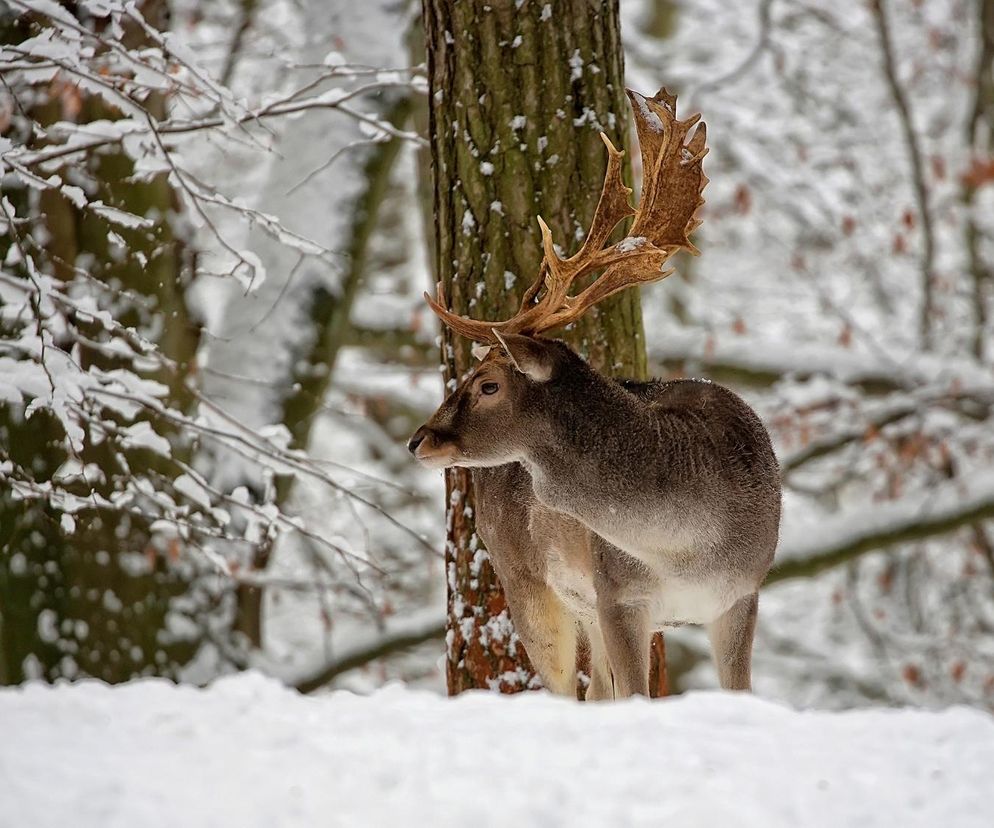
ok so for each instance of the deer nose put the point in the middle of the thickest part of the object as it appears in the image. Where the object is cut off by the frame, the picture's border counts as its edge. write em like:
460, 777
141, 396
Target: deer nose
417, 439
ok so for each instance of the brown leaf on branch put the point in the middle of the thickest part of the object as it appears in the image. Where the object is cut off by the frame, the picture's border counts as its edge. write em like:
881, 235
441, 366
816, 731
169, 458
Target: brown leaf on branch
912, 675
743, 200
981, 172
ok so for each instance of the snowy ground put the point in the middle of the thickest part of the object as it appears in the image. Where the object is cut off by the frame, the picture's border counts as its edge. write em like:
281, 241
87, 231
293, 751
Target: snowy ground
248, 752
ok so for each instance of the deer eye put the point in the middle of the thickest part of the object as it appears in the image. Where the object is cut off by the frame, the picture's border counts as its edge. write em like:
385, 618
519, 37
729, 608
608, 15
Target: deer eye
489, 388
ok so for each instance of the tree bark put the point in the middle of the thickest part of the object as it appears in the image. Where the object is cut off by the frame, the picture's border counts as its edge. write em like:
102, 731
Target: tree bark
517, 98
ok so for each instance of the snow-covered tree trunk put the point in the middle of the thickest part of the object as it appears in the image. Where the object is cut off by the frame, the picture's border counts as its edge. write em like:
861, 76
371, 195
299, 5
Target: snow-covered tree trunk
518, 94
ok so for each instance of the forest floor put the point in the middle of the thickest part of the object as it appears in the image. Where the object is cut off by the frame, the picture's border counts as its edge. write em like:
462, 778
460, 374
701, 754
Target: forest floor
248, 752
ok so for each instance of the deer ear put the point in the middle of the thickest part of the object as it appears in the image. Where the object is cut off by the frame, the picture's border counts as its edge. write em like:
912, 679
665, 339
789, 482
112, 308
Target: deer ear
527, 355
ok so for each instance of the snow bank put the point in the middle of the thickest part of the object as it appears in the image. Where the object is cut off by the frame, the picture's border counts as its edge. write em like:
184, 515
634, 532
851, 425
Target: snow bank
247, 752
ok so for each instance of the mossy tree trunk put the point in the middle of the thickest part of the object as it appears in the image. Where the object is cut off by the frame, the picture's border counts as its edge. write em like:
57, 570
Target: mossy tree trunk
517, 98
95, 601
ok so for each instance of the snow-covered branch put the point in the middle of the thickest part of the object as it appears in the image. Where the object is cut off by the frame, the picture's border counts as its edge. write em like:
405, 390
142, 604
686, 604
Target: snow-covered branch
807, 549
110, 222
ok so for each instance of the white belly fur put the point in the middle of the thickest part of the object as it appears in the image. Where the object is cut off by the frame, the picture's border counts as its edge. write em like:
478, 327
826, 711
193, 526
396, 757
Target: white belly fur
670, 594
670, 600
680, 602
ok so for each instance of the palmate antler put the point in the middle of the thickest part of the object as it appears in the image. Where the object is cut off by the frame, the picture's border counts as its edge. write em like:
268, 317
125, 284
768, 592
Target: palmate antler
672, 181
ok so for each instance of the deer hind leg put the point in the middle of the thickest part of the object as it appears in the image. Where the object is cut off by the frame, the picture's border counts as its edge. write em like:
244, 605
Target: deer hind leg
601, 682
549, 632
731, 637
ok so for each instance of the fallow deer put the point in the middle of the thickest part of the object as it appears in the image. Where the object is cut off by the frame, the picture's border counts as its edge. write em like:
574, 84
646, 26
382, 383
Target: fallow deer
612, 509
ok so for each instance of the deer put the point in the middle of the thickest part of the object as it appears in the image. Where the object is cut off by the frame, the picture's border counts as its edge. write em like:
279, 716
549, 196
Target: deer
612, 509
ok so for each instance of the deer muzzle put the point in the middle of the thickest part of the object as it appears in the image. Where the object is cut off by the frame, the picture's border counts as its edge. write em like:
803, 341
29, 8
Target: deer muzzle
431, 449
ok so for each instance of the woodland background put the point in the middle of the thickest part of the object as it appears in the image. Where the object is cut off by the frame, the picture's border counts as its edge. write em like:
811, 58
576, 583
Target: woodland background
216, 226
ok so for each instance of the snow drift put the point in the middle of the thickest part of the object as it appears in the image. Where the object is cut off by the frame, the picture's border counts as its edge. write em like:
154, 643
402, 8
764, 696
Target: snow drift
248, 752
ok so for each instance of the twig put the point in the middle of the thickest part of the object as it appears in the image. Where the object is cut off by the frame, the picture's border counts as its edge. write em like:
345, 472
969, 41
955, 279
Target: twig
917, 171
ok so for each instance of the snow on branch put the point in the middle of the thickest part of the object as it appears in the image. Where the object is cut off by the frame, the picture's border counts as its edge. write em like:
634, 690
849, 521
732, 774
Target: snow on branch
775, 359
807, 548
98, 336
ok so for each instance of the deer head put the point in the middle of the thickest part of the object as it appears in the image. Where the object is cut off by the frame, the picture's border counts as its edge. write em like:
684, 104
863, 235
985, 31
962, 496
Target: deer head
487, 420
490, 417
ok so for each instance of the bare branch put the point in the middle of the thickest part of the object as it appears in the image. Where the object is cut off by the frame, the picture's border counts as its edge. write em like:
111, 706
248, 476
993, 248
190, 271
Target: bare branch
917, 170
401, 635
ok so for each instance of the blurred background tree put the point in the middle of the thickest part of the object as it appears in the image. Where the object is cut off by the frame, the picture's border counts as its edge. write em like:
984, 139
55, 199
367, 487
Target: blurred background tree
87, 594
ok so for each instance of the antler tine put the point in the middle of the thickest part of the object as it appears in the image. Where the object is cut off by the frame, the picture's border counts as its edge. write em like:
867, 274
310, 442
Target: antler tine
613, 281
470, 328
612, 207
672, 182
556, 281
672, 176
529, 295
558, 275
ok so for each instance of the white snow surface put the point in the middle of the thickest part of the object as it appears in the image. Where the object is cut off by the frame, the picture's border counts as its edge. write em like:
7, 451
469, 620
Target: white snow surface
248, 752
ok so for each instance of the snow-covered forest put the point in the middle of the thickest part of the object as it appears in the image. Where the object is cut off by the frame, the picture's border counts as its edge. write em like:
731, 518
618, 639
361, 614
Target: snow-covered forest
216, 226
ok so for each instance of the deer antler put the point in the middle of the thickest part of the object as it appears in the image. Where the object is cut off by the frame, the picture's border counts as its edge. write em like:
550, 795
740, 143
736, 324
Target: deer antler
672, 181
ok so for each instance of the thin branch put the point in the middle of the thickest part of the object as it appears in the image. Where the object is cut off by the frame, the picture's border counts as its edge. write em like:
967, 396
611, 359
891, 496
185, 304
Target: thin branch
406, 635
745, 65
245, 17
890, 414
877, 7
979, 137
273, 110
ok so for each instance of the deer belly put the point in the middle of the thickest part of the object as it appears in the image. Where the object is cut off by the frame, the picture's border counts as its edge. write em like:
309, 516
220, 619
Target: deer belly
683, 601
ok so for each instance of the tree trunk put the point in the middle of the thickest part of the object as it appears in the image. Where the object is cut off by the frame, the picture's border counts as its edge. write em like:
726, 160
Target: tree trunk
516, 100
95, 602
328, 313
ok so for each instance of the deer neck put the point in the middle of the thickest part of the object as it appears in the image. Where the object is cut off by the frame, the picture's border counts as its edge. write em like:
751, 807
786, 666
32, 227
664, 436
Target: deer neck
597, 442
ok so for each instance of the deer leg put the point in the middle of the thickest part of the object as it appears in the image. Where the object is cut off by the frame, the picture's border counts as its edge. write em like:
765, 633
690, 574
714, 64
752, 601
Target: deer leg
549, 632
731, 643
626, 638
622, 617
601, 683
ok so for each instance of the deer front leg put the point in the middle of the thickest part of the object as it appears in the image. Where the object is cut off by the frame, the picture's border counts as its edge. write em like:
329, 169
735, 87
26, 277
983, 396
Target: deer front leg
731, 637
549, 632
623, 620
